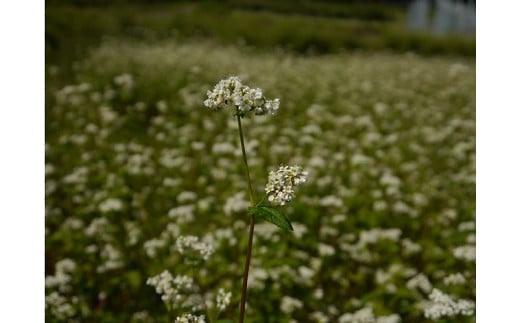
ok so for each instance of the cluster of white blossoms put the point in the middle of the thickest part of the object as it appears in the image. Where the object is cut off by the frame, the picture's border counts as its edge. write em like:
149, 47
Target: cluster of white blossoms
172, 290
110, 205
444, 306
231, 93
281, 184
58, 306
454, 279
188, 244
223, 299
290, 304
189, 318
63, 276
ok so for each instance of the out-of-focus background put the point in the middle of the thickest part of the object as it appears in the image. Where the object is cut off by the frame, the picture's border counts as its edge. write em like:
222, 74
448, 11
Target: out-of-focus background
377, 103
320, 26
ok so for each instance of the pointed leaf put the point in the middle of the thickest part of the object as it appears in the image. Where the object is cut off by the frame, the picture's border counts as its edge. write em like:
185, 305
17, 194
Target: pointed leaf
272, 215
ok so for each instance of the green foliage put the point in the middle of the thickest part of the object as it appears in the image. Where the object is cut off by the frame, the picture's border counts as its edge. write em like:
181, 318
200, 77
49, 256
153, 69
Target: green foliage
272, 215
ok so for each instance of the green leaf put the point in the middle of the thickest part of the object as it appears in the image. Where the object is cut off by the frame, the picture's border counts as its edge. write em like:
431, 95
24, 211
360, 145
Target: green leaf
272, 215
225, 321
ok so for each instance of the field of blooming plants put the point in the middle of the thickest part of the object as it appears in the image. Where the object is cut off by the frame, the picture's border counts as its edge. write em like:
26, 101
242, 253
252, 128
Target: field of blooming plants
147, 206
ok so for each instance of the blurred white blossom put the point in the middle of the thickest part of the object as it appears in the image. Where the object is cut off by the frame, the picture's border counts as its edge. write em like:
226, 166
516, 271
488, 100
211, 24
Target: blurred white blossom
443, 305
188, 244
223, 299
189, 318
290, 304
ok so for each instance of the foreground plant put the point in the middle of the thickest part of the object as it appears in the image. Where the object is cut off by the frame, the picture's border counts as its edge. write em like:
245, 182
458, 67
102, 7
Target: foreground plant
232, 94
183, 294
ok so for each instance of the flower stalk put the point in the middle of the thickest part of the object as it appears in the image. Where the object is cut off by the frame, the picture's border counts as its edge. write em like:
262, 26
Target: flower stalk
251, 225
232, 94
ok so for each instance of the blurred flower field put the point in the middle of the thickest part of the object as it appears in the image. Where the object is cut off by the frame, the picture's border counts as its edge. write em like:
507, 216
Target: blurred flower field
136, 166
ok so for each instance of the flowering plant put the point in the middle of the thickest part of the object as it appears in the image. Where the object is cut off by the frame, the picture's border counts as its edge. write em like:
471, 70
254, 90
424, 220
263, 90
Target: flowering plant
232, 94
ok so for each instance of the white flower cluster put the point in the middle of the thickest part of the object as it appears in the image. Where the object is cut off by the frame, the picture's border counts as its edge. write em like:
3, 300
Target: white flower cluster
281, 183
366, 315
182, 213
443, 305
467, 253
454, 279
361, 316
236, 203
223, 299
188, 244
189, 318
125, 81
62, 276
231, 93
110, 205
152, 246
290, 304
112, 258
141, 317
172, 290
133, 232
420, 281
58, 306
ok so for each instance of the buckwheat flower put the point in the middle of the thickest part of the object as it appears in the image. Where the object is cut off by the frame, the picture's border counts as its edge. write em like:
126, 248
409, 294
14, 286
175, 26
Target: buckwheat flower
223, 299
393, 318
183, 213
444, 306
111, 204
281, 184
289, 304
112, 259
236, 203
467, 253
421, 282
62, 276
319, 317
363, 315
189, 318
58, 306
187, 244
454, 279
172, 290
231, 93
125, 81
152, 246
325, 250
133, 232
141, 316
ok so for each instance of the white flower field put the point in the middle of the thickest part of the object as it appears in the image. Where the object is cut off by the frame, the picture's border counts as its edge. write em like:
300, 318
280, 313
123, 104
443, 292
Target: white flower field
147, 205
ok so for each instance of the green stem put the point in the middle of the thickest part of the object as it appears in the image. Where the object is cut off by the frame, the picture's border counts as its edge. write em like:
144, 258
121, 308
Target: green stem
251, 226
244, 156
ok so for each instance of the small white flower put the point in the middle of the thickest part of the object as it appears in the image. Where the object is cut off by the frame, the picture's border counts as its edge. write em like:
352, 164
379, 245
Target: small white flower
289, 304
189, 318
187, 244
173, 290
280, 187
223, 299
421, 282
466, 252
111, 204
444, 306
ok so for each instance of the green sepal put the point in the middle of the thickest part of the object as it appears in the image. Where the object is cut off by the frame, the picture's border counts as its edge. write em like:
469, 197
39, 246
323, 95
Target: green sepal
239, 113
272, 215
